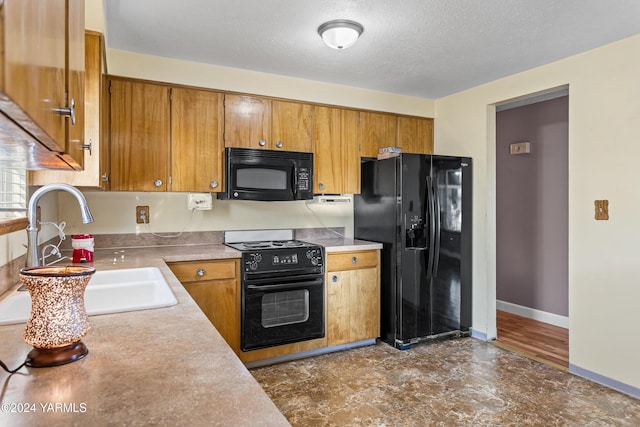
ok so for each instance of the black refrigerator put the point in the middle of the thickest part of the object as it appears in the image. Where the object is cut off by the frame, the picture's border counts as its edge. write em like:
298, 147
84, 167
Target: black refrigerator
419, 207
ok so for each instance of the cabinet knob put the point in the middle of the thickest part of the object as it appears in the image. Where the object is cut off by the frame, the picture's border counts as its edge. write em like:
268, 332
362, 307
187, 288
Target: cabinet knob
158, 183
200, 272
70, 111
88, 146
334, 279
214, 184
262, 142
354, 260
279, 144
321, 186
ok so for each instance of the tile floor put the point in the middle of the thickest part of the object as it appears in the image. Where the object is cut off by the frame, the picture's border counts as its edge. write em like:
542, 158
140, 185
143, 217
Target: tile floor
461, 382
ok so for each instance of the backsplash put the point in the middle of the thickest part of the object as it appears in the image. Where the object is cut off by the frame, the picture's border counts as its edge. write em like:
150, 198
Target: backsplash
106, 241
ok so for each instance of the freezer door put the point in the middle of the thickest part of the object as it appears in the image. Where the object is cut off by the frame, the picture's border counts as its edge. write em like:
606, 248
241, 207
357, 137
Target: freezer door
416, 218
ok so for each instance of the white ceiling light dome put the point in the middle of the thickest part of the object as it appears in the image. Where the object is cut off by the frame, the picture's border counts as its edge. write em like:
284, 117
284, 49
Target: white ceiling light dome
340, 33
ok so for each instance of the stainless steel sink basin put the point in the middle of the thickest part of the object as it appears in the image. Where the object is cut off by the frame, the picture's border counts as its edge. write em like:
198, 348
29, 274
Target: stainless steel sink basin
109, 291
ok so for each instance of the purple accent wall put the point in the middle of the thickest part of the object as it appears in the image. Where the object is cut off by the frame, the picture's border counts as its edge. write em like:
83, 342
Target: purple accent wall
532, 206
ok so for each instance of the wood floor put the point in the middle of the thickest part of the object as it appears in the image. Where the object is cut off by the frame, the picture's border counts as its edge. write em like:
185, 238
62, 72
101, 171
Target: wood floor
541, 341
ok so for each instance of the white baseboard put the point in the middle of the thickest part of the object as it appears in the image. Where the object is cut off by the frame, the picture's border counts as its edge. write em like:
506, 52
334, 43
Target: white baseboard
532, 313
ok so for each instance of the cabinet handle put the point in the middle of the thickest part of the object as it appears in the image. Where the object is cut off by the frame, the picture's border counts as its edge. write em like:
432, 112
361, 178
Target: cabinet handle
262, 143
158, 183
279, 144
214, 184
334, 279
63, 111
200, 272
88, 146
354, 260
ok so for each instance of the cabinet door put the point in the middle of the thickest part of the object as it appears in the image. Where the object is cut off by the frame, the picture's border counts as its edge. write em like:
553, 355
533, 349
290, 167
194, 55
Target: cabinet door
415, 135
336, 155
353, 306
34, 55
247, 121
327, 160
338, 308
90, 176
196, 140
218, 300
76, 81
377, 130
350, 152
139, 132
364, 304
291, 126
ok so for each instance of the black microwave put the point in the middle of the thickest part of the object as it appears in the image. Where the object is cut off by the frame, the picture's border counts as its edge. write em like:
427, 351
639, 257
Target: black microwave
267, 175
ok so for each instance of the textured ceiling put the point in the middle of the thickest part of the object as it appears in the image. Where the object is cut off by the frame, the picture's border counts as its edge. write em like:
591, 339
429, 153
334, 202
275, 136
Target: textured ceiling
423, 48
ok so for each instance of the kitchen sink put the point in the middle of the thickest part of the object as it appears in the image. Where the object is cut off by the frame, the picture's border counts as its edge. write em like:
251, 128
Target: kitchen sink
109, 291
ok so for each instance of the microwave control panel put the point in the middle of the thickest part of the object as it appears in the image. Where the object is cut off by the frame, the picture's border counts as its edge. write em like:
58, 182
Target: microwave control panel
304, 179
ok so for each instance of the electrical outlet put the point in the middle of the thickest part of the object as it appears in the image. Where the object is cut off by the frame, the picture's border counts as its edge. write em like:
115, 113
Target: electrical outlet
200, 201
142, 215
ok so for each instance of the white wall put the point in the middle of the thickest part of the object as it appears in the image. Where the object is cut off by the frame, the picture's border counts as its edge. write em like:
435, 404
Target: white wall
604, 145
115, 212
129, 64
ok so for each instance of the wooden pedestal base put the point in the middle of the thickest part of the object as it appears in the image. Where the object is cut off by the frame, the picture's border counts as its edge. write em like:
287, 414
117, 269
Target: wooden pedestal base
45, 357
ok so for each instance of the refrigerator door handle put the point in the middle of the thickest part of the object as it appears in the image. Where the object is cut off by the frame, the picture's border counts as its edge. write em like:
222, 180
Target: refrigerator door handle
429, 203
436, 247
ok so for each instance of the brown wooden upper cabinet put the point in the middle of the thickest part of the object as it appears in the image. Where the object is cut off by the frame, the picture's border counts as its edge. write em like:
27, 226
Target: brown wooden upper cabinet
415, 134
139, 135
336, 155
165, 138
377, 130
253, 122
95, 159
197, 150
43, 69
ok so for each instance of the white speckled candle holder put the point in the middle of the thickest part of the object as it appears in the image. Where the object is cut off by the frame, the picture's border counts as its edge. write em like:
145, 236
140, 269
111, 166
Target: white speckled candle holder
58, 319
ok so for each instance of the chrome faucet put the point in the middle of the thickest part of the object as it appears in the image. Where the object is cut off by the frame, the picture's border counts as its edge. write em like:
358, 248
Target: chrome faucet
32, 229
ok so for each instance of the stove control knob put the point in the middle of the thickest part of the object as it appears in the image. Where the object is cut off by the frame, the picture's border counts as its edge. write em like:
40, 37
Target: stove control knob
253, 265
258, 257
314, 261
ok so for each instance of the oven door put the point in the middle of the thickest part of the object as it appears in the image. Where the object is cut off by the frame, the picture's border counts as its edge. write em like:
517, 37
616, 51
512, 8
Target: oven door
282, 310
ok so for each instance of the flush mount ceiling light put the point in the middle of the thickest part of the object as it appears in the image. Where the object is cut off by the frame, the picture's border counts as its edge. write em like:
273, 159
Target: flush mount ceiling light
340, 33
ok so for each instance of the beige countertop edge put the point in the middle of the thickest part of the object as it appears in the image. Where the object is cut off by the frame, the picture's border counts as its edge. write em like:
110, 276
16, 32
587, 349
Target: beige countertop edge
160, 366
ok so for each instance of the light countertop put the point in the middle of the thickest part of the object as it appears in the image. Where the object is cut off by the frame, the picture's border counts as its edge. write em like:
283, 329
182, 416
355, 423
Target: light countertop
165, 366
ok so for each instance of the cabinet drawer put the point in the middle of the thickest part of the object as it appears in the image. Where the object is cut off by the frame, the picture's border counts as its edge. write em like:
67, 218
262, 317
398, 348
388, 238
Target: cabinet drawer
195, 271
351, 260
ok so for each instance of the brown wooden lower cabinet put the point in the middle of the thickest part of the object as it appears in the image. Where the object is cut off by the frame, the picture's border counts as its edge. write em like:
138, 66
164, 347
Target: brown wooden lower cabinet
353, 297
214, 286
352, 289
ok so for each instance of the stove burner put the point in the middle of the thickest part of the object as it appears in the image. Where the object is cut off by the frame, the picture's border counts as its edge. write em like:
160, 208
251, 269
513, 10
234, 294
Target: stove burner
287, 243
257, 245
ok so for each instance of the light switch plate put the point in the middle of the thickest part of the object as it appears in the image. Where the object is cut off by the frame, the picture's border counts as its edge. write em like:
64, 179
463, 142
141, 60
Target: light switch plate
520, 148
602, 209
200, 201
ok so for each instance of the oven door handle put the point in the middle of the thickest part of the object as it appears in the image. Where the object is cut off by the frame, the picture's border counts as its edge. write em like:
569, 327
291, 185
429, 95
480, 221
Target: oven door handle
251, 280
315, 282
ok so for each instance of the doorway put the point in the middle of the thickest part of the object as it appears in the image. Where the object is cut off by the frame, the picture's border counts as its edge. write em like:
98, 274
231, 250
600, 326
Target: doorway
532, 227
